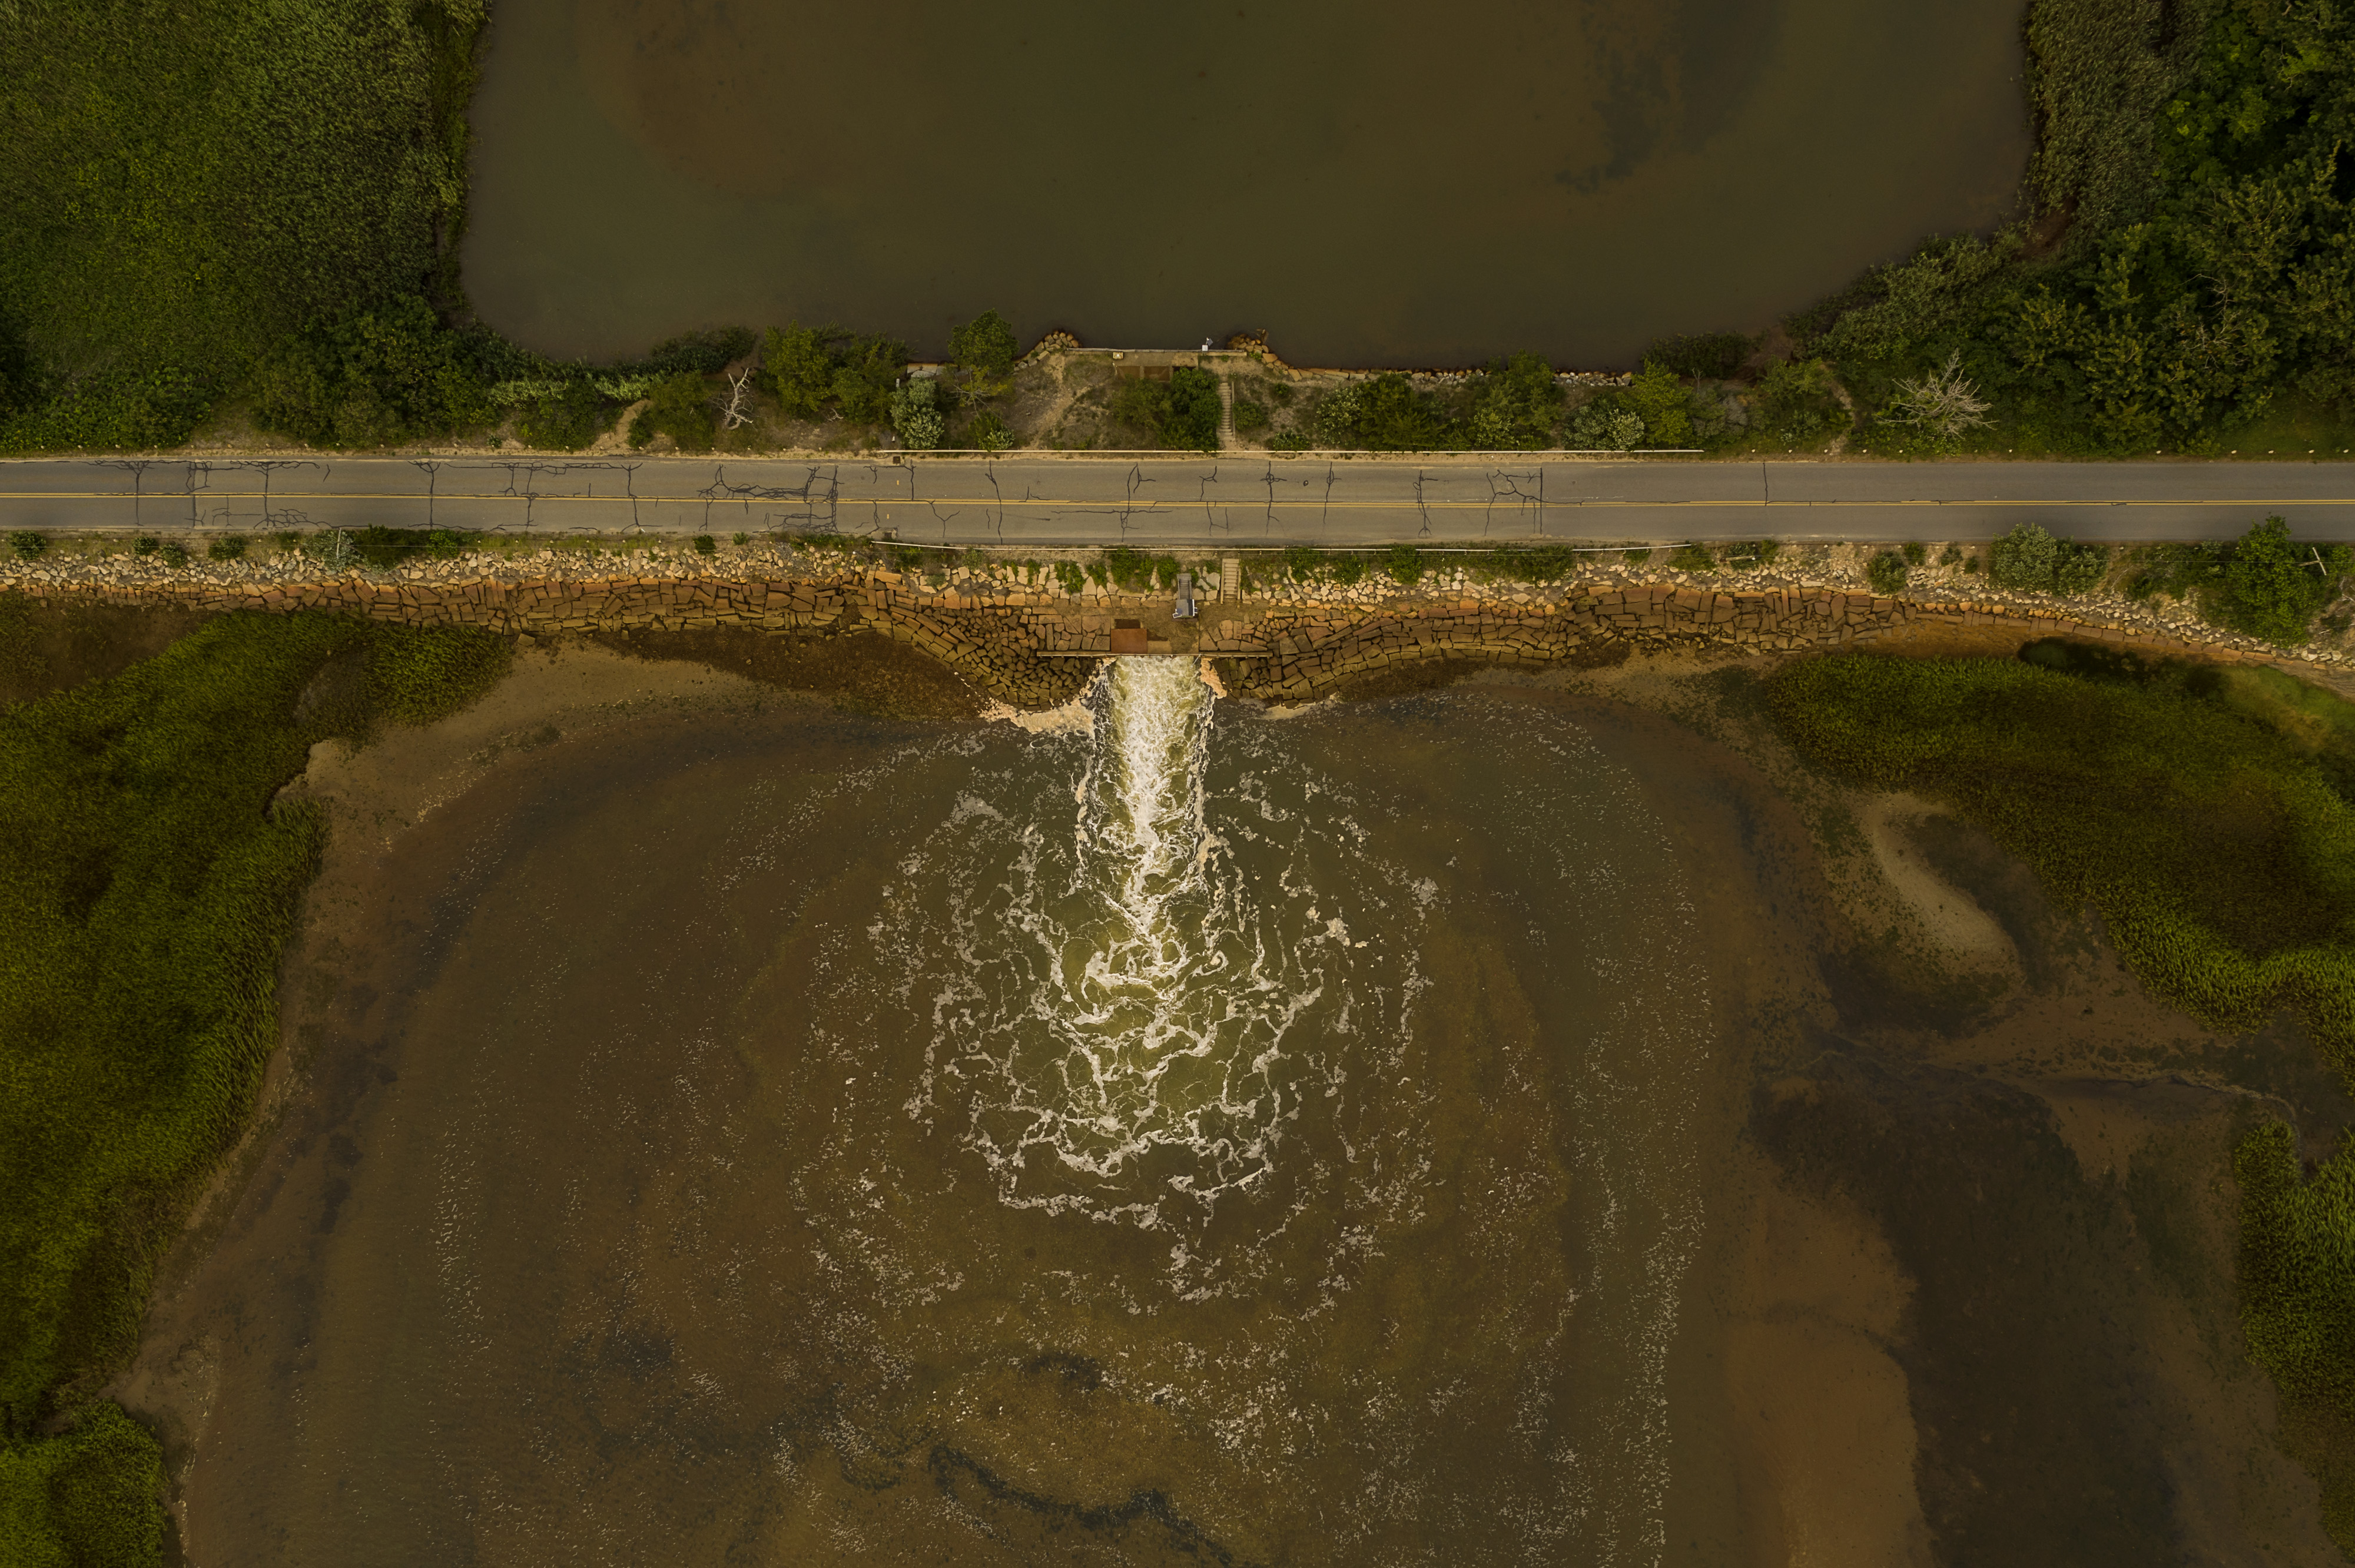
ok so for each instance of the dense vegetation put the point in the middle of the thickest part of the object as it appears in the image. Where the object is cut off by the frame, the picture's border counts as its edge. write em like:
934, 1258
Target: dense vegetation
188, 187
2263, 585
147, 884
2206, 813
2189, 275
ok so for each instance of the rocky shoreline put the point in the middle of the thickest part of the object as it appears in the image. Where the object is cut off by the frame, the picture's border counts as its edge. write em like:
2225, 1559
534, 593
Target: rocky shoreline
1011, 628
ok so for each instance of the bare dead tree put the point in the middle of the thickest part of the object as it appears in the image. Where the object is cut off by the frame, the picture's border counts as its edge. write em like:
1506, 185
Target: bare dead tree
737, 410
1943, 402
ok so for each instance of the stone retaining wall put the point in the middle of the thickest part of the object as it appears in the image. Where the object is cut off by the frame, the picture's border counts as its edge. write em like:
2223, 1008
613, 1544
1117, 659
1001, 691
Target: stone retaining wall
1289, 655
1036, 654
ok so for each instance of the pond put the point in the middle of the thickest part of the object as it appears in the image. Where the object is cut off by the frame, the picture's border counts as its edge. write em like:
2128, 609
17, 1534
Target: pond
1371, 183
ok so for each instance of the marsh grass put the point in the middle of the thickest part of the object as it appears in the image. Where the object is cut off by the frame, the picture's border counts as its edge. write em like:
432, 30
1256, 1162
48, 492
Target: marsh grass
2206, 814
2214, 844
93, 1495
189, 185
148, 882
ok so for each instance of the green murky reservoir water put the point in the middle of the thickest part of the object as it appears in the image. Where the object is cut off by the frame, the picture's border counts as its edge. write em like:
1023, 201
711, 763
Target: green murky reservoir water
1371, 183
1197, 1138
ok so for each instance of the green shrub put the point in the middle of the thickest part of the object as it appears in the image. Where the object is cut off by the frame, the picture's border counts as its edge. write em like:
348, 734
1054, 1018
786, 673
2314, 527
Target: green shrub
916, 413
27, 544
1133, 571
1348, 570
1663, 404
229, 547
740, 540
1604, 423
2178, 571
371, 378
1382, 414
1250, 415
566, 421
705, 545
1915, 551
174, 554
1303, 564
1181, 413
2273, 588
1692, 558
867, 372
797, 367
1403, 562
120, 409
1515, 405
1951, 556
1887, 574
1754, 554
989, 431
2030, 559
678, 407
146, 545
983, 350
812, 370
186, 188
384, 548
1797, 402
1068, 576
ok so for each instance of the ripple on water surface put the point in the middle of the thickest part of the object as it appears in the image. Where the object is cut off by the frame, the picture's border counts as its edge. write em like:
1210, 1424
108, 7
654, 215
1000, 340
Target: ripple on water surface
1200, 1136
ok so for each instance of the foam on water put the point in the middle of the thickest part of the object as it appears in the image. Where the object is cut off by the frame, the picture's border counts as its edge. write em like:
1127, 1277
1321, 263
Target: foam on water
1124, 1054
1223, 991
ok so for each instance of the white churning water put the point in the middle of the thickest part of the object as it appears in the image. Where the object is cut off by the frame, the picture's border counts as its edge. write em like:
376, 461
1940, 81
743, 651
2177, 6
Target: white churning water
1127, 1046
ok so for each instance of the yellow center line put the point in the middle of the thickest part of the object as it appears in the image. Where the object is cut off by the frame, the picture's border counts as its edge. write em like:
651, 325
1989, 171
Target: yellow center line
1502, 502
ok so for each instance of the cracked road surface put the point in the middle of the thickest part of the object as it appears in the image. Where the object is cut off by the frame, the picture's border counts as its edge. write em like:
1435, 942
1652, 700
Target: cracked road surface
1208, 501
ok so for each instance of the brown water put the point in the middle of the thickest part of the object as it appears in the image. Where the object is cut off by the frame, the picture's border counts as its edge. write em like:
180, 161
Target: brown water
826, 1141
1449, 1129
1372, 183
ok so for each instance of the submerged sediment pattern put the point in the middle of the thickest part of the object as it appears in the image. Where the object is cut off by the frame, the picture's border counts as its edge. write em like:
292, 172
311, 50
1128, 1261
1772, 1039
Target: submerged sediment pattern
1201, 1138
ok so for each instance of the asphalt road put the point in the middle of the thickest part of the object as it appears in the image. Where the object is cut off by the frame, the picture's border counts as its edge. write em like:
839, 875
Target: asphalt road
1203, 502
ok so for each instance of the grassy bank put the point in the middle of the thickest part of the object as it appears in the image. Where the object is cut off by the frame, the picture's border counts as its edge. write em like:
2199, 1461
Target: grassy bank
147, 884
2205, 813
